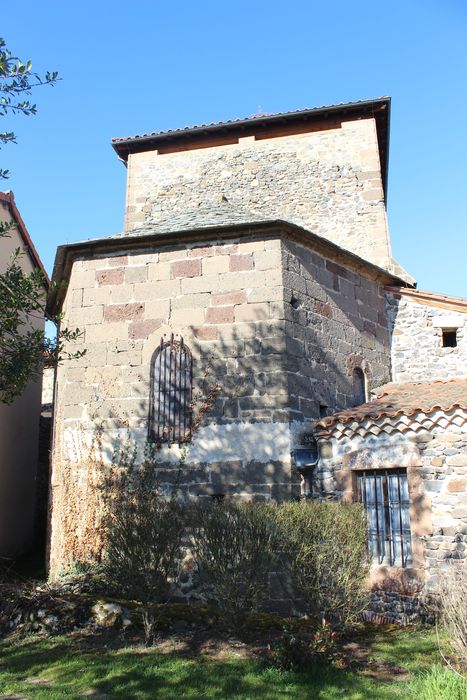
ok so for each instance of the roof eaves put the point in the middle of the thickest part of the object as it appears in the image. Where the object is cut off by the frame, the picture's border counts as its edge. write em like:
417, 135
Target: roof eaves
9, 199
66, 253
128, 144
247, 121
430, 298
385, 405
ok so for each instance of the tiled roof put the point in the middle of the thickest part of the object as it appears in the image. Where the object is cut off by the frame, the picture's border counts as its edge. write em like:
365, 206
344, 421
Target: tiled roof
210, 215
255, 117
406, 399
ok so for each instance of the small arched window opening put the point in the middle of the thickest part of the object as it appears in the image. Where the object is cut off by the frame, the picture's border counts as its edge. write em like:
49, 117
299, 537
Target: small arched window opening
359, 386
171, 392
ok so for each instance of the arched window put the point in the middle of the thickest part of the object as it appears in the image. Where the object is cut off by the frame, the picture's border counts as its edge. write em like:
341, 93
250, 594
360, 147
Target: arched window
170, 400
359, 386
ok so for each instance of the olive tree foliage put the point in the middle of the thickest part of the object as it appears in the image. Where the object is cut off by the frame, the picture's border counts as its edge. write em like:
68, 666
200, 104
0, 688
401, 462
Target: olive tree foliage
23, 347
17, 79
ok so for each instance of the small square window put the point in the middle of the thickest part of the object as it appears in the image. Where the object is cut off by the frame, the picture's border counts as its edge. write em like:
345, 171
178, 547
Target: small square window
449, 338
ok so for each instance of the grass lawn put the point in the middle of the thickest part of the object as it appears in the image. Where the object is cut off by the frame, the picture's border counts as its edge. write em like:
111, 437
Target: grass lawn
73, 668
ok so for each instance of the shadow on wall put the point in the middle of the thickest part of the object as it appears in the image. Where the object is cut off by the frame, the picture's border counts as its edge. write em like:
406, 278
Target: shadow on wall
340, 318
288, 369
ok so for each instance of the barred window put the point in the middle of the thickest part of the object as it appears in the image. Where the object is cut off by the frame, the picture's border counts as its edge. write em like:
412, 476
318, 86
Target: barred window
171, 391
385, 496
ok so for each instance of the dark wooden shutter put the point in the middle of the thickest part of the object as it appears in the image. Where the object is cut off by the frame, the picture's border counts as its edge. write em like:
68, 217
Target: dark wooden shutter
171, 393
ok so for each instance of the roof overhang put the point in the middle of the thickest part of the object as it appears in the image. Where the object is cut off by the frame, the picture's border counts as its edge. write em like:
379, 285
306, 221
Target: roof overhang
441, 301
9, 199
66, 254
265, 126
392, 403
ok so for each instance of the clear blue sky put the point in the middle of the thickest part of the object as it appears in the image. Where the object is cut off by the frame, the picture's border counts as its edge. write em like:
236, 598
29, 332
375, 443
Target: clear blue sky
131, 68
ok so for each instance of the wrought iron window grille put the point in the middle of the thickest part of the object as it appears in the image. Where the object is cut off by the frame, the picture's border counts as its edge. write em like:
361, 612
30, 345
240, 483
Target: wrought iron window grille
385, 496
170, 406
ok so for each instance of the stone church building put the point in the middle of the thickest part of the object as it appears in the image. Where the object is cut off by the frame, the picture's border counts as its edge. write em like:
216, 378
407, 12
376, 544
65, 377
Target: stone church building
256, 258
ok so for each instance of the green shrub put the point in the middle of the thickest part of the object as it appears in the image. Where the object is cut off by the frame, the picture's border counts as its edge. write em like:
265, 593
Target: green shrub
297, 651
234, 548
143, 540
325, 548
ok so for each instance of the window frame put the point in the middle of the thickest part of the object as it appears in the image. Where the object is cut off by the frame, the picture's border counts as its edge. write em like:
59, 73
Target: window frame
387, 538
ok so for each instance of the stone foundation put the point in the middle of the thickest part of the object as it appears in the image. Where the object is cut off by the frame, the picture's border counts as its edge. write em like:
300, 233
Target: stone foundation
392, 606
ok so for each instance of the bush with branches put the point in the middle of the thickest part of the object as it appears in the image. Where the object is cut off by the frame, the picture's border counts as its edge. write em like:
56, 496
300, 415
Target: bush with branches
452, 614
234, 546
143, 539
325, 551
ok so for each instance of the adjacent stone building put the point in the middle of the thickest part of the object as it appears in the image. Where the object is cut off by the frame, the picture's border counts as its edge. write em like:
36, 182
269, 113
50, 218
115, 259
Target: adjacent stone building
256, 259
429, 335
404, 455
411, 439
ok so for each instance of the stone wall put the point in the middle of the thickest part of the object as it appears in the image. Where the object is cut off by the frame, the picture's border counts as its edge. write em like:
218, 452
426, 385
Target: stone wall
436, 463
334, 321
48, 381
227, 301
417, 341
328, 181
234, 303
222, 298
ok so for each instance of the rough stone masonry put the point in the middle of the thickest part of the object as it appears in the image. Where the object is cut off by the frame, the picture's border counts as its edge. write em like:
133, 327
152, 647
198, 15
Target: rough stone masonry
274, 322
268, 253
327, 180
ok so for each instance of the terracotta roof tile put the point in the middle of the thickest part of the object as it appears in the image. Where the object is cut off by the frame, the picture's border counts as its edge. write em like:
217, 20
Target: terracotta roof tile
402, 399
